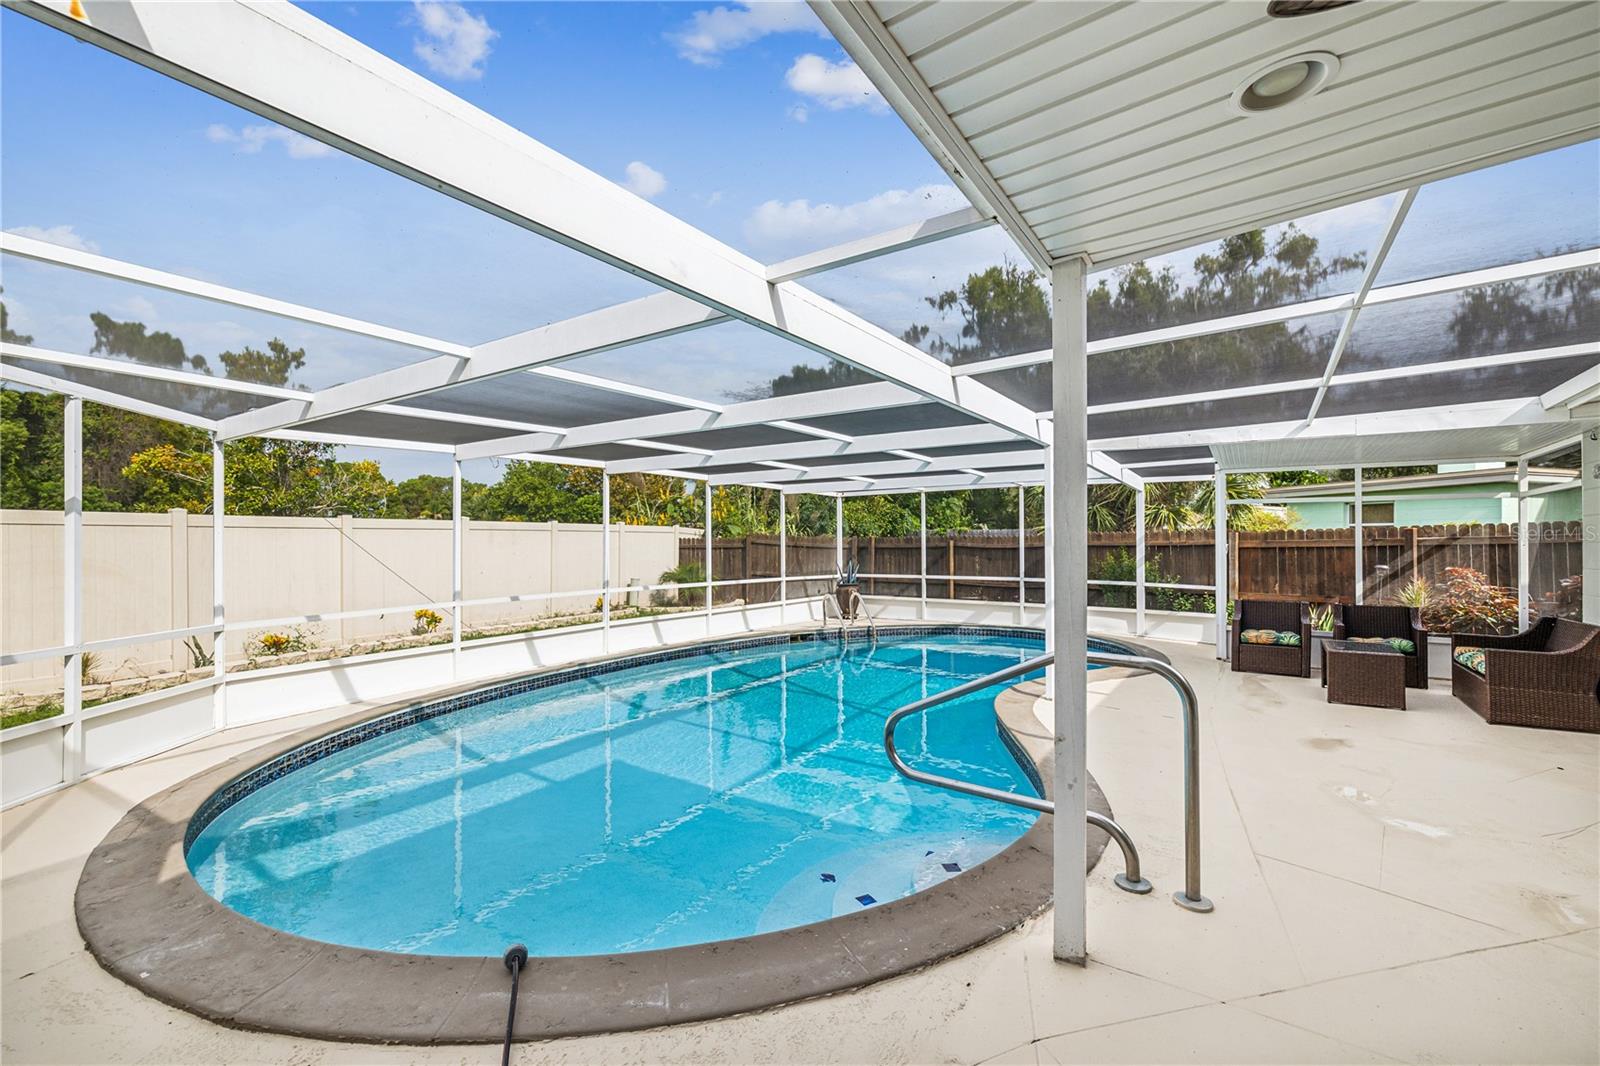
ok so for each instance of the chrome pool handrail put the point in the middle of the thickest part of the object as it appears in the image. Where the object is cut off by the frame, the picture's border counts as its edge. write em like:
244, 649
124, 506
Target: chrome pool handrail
1191, 896
860, 605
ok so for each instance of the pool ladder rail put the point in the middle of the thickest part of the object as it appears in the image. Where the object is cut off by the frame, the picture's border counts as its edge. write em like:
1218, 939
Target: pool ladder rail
858, 613
1131, 879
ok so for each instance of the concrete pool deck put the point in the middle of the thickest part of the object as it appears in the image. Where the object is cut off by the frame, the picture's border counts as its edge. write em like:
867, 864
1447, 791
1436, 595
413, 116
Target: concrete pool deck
1390, 886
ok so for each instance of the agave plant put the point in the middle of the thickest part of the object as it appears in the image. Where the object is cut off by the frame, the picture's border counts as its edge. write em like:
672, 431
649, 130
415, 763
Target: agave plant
1416, 593
849, 577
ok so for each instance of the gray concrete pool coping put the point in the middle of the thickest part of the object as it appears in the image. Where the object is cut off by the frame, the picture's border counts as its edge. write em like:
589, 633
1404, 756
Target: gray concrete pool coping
149, 922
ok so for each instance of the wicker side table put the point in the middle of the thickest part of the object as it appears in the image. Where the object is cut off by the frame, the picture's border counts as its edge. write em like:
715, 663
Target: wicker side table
1366, 675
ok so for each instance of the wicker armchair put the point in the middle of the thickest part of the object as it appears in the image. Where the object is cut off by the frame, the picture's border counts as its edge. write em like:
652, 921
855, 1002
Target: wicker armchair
1547, 677
1285, 659
1367, 620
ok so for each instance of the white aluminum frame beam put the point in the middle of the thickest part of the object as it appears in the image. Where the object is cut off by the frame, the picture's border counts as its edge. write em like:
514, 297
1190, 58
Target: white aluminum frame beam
1397, 219
791, 475
823, 447
353, 98
1410, 290
858, 486
900, 239
1411, 420
22, 376
649, 318
869, 397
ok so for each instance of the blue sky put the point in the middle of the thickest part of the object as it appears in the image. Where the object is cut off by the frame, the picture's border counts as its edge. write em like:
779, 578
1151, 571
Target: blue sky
747, 121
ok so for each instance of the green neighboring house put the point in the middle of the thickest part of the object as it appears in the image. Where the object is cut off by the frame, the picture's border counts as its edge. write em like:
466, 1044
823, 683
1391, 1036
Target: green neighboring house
1412, 501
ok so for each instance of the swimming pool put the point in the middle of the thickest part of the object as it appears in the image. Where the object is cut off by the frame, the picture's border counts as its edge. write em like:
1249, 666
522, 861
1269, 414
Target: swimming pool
709, 796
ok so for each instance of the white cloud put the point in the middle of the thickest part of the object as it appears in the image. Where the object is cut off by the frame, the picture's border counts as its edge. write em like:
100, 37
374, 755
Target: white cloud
779, 223
252, 139
455, 42
714, 199
833, 85
799, 113
644, 180
710, 33
137, 307
65, 236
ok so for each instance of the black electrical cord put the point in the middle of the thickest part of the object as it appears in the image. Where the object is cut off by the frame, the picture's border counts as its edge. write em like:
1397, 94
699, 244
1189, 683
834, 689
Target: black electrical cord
516, 958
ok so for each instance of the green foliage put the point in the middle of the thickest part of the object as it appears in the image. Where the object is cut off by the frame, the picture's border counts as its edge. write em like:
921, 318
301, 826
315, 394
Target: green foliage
1121, 565
30, 450
24, 715
198, 656
1415, 593
1003, 310
295, 640
129, 340
801, 378
882, 516
272, 367
1468, 603
427, 496
685, 573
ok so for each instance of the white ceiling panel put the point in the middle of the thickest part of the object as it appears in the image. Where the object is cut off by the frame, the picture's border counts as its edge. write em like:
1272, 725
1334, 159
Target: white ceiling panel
1108, 129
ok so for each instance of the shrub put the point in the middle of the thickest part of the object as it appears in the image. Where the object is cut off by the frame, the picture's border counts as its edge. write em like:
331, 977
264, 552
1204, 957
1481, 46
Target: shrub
1120, 565
283, 643
198, 656
689, 573
1470, 604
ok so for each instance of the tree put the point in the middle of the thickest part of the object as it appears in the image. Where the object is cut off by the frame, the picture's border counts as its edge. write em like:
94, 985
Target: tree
1003, 310
272, 367
129, 339
428, 496
802, 378
7, 334
30, 450
541, 492
261, 477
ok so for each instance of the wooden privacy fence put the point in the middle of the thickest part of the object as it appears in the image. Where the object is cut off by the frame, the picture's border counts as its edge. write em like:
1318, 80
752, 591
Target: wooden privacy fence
953, 559
1319, 564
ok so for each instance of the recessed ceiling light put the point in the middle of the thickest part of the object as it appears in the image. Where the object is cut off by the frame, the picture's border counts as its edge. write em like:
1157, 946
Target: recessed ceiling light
1284, 81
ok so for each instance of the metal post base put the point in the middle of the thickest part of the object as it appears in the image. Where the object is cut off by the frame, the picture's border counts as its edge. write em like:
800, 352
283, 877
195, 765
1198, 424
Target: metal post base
1138, 888
1201, 905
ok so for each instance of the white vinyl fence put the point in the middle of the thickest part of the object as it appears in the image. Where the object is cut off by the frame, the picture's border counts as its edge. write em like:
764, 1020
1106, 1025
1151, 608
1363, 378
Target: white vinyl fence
151, 573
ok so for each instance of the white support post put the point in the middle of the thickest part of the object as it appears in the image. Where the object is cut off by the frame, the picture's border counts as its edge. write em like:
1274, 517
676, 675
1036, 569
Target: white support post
709, 579
1050, 569
72, 587
1524, 600
1022, 554
219, 615
1220, 560
457, 531
922, 567
838, 533
1360, 542
605, 562
1070, 624
783, 557
1138, 561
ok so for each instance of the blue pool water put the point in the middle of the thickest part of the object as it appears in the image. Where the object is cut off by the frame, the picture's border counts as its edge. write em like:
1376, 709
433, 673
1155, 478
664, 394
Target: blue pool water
716, 796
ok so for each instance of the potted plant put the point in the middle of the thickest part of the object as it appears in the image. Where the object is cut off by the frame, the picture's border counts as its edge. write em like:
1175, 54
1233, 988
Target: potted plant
847, 591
